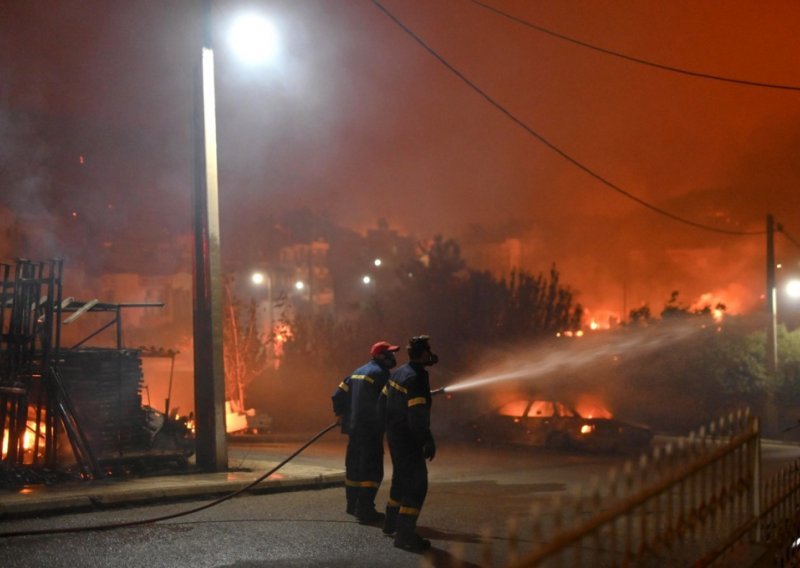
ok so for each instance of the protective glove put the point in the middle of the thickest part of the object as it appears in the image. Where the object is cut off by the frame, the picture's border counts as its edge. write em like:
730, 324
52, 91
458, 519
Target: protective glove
429, 450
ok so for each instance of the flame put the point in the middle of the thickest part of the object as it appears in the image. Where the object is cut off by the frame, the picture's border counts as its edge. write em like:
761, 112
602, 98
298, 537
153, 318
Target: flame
281, 332
592, 407
187, 420
587, 428
28, 439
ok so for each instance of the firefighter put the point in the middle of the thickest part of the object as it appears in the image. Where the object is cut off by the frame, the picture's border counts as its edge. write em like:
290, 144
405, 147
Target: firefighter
355, 402
405, 404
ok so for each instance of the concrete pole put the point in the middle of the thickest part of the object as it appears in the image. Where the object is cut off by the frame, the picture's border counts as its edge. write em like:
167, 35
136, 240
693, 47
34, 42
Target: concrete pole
771, 411
209, 376
772, 311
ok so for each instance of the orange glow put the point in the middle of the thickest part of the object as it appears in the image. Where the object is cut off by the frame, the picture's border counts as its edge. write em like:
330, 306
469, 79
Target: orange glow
515, 408
28, 439
592, 407
587, 428
541, 408
594, 325
282, 332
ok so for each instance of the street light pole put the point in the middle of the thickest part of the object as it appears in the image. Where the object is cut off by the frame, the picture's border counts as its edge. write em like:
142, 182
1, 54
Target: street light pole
770, 411
772, 310
209, 378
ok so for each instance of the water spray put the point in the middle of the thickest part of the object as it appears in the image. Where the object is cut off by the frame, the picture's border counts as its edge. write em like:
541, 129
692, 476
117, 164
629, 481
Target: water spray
530, 366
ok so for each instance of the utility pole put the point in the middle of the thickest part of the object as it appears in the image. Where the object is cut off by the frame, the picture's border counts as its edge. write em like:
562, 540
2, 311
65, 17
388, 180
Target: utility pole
772, 311
209, 375
771, 412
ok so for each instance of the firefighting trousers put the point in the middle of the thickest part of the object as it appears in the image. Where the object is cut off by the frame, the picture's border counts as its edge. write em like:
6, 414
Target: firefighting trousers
409, 477
364, 461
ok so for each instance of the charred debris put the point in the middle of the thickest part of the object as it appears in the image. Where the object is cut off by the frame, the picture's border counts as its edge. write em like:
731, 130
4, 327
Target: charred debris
74, 411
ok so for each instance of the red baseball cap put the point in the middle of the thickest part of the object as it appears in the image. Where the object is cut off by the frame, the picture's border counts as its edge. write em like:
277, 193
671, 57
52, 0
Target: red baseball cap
382, 346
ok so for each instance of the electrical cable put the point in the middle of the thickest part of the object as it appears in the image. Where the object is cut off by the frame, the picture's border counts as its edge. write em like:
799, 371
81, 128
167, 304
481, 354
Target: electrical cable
638, 60
575, 162
213, 503
788, 236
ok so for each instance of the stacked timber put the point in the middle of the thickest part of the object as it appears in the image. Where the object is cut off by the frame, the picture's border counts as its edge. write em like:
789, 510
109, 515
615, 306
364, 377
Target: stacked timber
104, 388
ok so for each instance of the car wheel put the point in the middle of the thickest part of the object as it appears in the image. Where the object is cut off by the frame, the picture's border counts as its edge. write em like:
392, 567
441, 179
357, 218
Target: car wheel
557, 441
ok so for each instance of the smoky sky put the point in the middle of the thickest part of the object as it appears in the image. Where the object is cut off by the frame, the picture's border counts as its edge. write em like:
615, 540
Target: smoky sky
356, 120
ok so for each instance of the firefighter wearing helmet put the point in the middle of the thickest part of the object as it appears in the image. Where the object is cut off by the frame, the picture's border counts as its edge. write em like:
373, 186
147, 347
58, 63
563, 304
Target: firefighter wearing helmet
406, 404
355, 403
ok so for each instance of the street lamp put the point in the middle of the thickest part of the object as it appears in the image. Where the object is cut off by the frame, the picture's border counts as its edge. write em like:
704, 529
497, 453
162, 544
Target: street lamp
793, 289
253, 39
209, 375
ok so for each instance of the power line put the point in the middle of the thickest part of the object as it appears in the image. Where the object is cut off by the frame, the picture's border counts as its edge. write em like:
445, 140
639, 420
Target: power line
551, 145
788, 236
638, 60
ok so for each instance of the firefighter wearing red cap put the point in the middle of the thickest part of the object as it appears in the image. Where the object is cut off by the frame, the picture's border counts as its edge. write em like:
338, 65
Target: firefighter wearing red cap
355, 402
406, 404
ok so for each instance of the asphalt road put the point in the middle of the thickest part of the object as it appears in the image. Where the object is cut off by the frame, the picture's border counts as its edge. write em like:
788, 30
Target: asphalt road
474, 490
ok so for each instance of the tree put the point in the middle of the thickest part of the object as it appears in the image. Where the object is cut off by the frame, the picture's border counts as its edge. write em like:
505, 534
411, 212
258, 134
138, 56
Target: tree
245, 347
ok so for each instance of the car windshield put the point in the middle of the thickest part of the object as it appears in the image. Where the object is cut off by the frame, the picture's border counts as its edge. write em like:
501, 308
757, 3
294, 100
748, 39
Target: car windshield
514, 408
535, 409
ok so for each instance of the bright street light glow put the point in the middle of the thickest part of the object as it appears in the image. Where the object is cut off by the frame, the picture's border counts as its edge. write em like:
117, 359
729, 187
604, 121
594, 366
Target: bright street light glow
793, 289
257, 278
254, 39
299, 285
377, 262
366, 279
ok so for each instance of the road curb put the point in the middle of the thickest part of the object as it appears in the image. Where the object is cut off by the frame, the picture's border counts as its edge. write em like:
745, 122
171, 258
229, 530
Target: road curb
184, 488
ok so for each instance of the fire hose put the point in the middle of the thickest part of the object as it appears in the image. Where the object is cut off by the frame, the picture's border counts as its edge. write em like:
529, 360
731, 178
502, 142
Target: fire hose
208, 505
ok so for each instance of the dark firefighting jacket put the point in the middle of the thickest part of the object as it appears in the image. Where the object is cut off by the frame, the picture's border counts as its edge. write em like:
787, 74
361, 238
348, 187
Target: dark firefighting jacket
356, 397
405, 404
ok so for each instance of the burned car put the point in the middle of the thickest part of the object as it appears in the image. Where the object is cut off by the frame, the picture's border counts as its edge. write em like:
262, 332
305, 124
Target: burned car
557, 425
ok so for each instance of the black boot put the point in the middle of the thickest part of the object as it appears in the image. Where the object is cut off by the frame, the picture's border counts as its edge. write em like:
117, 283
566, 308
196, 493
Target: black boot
365, 510
390, 522
351, 493
407, 537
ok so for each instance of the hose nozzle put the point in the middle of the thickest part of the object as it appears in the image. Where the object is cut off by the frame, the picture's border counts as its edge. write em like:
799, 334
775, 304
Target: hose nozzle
440, 390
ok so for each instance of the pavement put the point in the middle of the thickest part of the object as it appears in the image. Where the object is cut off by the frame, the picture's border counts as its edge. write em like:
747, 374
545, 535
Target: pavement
77, 496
